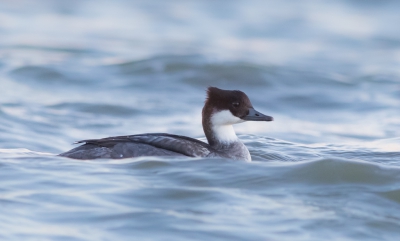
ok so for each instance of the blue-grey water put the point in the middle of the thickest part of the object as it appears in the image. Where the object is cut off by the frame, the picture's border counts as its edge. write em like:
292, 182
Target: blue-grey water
327, 168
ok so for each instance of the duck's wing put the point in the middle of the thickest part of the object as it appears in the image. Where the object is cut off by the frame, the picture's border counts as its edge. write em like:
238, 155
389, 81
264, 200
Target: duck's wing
179, 144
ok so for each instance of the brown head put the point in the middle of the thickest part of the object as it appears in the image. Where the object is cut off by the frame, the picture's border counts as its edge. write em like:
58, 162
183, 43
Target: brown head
227, 107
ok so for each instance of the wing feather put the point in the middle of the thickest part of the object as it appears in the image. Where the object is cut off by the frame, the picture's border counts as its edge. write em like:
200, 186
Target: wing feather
179, 144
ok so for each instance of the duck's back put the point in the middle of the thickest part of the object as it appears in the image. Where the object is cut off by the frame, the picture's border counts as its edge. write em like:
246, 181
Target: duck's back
154, 144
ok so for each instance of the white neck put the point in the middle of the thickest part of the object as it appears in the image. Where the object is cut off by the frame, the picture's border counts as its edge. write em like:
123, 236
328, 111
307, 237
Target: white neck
221, 126
224, 134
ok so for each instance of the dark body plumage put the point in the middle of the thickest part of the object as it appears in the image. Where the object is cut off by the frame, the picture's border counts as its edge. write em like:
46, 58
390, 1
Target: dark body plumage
154, 144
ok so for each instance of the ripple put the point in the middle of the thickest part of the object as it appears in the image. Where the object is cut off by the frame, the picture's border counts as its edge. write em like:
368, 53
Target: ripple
393, 195
336, 171
97, 108
44, 75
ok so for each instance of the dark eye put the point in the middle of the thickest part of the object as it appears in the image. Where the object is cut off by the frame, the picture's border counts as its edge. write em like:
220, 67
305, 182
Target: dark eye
235, 104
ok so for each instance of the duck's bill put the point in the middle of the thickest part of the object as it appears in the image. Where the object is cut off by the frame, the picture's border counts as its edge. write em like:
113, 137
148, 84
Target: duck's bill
254, 115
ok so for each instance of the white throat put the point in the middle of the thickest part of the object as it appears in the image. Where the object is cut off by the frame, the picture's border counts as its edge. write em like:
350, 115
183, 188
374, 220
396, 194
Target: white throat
221, 126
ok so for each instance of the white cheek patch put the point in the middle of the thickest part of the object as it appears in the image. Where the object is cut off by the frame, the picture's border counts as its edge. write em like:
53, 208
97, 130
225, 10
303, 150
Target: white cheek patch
224, 117
221, 124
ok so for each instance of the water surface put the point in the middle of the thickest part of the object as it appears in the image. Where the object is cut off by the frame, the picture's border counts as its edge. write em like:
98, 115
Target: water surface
328, 167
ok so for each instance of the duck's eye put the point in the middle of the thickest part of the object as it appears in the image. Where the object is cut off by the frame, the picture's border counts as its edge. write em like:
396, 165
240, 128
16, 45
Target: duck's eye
235, 104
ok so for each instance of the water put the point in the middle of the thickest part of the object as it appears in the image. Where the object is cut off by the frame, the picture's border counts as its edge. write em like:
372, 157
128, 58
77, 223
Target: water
328, 167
